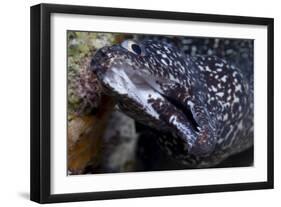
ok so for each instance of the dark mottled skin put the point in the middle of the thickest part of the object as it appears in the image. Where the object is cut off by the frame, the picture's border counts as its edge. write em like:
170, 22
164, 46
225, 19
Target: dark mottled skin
202, 104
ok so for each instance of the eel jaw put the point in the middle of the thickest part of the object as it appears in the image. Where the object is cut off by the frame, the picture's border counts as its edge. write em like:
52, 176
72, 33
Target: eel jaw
138, 89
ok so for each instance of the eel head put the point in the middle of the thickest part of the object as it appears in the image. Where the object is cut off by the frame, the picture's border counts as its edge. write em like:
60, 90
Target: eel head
150, 82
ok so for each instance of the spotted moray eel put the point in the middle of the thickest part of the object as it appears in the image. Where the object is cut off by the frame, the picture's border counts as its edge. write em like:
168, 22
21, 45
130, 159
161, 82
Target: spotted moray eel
202, 105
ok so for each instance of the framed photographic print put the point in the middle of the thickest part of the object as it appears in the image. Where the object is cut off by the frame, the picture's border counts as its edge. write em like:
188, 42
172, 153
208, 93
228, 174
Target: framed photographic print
133, 103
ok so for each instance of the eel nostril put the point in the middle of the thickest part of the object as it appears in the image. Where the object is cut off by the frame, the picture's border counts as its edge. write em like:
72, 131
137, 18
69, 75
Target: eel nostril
102, 53
95, 62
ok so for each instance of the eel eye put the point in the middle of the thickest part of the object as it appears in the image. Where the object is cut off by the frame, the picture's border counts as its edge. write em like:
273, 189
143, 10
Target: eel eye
136, 48
132, 46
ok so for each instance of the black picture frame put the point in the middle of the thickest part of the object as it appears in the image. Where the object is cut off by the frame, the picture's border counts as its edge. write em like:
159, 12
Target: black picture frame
41, 96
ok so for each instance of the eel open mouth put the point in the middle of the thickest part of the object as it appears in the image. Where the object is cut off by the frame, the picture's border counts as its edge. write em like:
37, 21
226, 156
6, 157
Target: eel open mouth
143, 91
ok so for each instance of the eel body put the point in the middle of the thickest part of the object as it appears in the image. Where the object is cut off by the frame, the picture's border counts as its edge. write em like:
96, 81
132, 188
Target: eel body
201, 104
